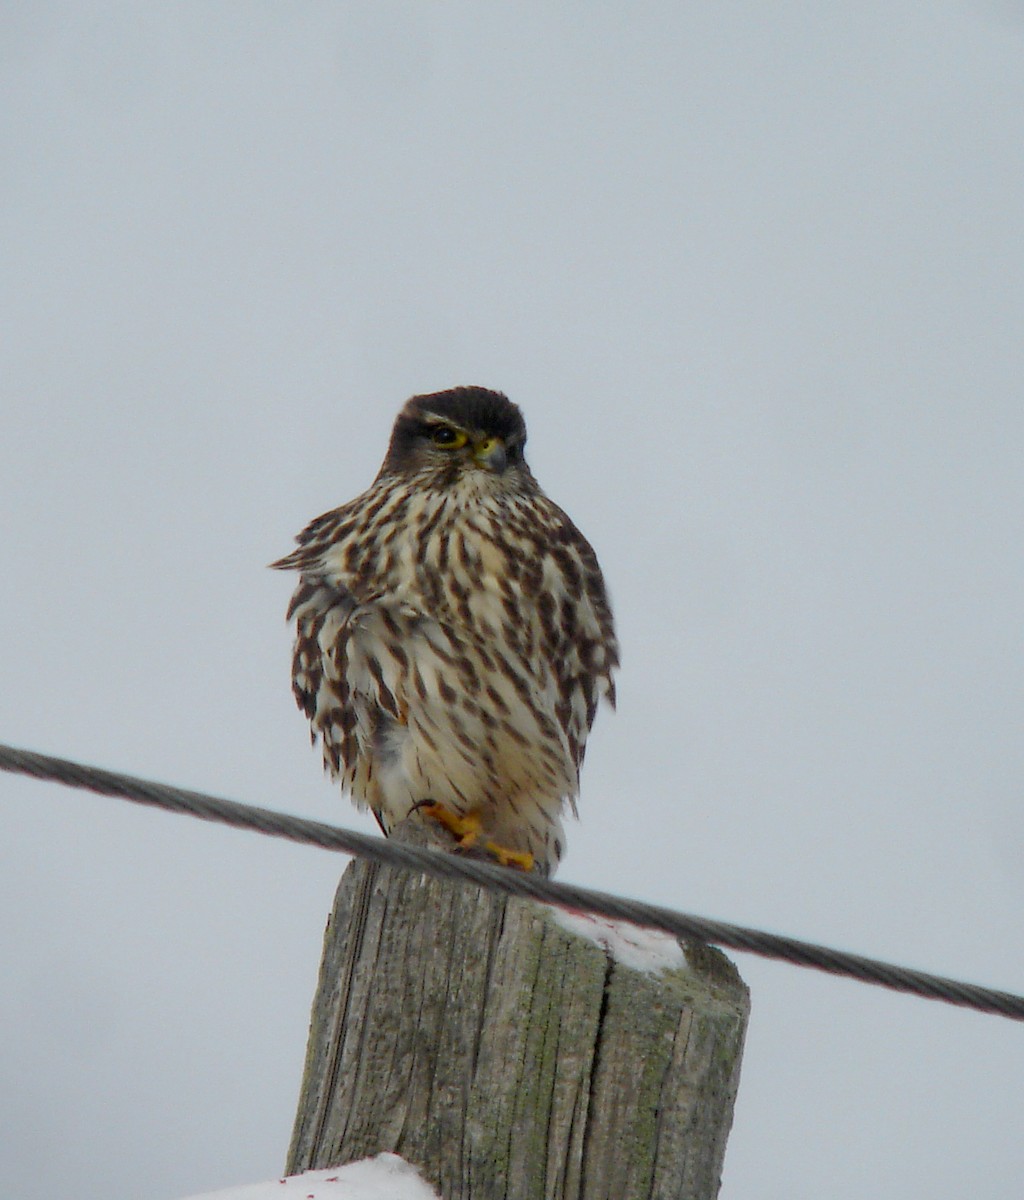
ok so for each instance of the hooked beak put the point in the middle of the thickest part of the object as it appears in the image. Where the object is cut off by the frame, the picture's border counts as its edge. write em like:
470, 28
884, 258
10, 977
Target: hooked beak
490, 453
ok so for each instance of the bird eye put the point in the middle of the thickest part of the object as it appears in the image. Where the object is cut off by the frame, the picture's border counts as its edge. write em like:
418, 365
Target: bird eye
447, 437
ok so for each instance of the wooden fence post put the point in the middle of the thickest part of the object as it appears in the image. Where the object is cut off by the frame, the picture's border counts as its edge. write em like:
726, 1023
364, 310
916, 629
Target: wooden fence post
510, 1056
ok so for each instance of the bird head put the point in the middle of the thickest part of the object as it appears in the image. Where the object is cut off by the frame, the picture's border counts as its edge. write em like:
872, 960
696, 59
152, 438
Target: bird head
444, 435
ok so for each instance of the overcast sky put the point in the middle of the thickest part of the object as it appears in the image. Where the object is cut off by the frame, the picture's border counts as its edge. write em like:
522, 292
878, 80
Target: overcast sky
753, 272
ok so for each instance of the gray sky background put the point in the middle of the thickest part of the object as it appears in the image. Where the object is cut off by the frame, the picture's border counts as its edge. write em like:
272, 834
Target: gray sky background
754, 273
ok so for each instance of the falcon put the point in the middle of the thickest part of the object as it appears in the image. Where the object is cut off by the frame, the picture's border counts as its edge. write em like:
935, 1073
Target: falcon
453, 635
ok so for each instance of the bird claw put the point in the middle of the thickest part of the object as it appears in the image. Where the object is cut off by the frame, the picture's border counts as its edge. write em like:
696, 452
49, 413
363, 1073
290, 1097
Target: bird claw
520, 860
466, 829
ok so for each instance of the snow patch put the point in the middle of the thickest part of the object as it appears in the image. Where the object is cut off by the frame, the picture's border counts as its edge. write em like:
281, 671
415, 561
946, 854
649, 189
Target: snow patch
386, 1177
647, 950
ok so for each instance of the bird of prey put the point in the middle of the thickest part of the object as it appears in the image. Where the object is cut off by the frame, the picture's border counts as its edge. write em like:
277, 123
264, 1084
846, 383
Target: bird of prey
453, 634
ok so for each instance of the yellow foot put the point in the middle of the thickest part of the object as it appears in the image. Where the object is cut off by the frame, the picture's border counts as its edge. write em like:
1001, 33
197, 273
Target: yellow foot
522, 860
465, 829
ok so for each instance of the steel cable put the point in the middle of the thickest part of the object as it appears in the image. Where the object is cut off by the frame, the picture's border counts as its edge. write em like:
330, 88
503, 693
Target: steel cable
515, 883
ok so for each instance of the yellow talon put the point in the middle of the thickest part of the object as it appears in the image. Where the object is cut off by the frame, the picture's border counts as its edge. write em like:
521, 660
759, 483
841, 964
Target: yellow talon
466, 829
522, 860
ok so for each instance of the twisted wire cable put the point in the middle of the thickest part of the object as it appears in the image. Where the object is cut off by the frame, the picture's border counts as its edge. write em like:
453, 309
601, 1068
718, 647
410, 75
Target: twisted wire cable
514, 883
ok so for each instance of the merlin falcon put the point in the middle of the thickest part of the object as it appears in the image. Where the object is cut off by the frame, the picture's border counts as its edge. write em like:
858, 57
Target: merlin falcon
453, 635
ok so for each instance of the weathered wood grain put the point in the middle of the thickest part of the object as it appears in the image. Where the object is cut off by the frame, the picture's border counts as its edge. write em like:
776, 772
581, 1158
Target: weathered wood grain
509, 1058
